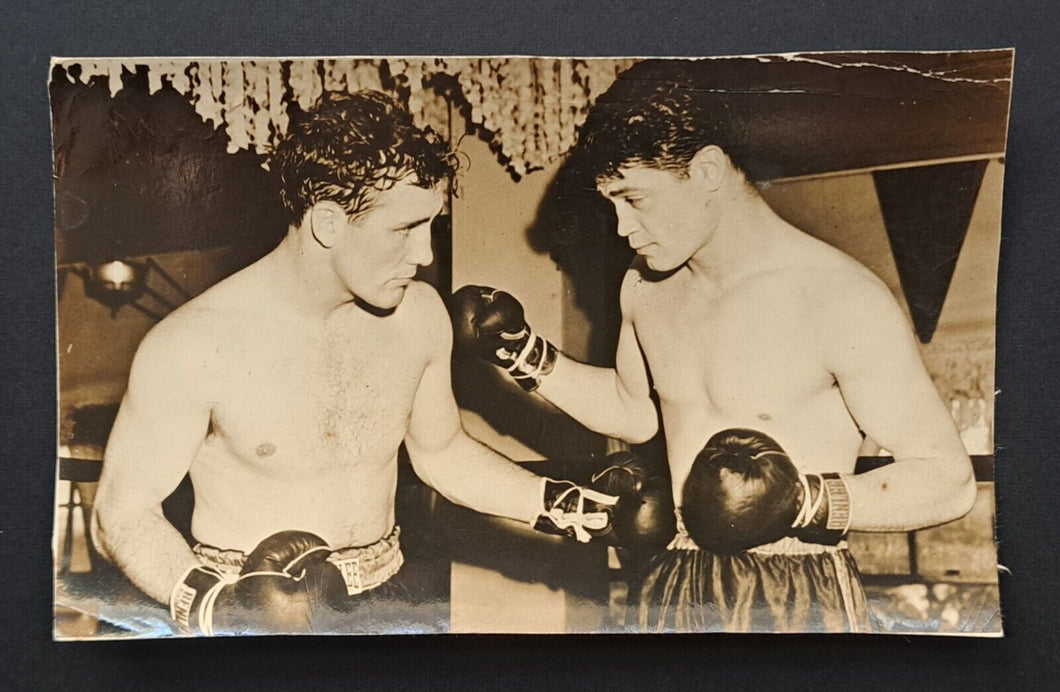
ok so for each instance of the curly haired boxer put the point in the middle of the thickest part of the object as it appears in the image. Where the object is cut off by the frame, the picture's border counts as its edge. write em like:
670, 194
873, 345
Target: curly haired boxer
286, 389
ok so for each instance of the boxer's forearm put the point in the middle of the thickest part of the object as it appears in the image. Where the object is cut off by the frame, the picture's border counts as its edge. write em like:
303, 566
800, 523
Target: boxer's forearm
911, 494
151, 553
472, 475
596, 398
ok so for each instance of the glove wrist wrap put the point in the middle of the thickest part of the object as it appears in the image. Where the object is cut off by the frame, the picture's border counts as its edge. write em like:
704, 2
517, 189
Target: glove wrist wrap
824, 516
191, 601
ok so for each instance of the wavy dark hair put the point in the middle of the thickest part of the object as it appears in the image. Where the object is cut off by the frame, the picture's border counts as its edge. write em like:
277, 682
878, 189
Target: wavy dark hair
350, 148
656, 115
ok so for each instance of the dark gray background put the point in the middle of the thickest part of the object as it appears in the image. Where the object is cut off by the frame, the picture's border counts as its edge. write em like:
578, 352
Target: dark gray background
1027, 407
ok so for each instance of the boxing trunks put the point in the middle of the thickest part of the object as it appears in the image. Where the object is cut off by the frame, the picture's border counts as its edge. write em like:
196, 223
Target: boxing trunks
786, 586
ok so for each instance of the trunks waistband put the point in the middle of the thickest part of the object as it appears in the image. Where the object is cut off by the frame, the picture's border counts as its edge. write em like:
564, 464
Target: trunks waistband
362, 568
785, 546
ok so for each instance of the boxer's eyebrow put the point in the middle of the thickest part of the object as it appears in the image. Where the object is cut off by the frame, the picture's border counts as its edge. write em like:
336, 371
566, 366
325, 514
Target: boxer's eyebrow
626, 193
414, 224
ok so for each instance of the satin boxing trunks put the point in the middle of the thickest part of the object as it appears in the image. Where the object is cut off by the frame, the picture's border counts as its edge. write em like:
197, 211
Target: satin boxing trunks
786, 586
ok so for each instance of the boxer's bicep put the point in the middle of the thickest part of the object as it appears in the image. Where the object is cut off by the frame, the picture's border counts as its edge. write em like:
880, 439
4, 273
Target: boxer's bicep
462, 469
434, 420
876, 363
883, 381
162, 421
614, 401
632, 376
631, 369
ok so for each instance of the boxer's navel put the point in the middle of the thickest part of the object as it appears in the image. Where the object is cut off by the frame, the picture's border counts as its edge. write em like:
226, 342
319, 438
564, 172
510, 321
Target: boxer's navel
765, 416
265, 449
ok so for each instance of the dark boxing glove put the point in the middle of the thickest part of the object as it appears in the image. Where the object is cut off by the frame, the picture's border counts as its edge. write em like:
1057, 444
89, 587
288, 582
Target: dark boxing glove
570, 510
743, 490
643, 517
275, 591
490, 324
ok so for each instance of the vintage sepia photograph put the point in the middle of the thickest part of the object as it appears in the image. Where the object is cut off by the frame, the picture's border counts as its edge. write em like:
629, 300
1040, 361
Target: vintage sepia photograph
536, 345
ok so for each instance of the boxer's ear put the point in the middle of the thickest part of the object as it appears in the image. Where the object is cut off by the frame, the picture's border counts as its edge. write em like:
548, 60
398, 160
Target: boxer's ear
326, 221
711, 166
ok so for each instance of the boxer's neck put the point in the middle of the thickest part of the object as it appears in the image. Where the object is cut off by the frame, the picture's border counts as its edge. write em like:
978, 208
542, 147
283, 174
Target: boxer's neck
302, 276
745, 235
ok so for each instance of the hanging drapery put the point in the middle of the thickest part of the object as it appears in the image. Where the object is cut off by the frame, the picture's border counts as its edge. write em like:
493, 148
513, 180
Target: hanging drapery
529, 108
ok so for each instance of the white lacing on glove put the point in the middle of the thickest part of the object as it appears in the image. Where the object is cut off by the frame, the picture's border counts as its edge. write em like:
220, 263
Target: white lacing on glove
567, 511
519, 365
208, 600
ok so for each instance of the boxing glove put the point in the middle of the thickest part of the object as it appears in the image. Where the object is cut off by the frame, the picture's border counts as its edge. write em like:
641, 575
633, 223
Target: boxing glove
643, 516
570, 510
282, 580
743, 490
490, 323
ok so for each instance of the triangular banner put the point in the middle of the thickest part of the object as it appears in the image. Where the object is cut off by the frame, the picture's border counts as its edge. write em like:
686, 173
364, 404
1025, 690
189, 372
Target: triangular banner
926, 211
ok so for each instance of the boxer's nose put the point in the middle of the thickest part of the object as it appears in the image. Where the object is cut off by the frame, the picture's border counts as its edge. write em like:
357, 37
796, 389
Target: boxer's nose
420, 252
626, 224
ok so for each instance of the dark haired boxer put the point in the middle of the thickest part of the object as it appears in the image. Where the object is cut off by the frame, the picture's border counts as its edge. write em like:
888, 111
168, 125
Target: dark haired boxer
742, 321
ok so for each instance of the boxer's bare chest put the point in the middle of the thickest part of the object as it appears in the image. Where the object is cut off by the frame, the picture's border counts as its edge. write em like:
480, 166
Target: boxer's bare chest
747, 357
327, 399
746, 352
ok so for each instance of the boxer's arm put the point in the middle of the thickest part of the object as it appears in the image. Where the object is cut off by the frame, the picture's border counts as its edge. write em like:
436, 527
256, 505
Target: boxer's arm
874, 358
444, 456
159, 426
612, 401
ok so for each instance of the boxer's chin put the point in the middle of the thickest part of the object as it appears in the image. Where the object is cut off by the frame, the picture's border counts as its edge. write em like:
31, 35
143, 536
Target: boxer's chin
659, 264
381, 305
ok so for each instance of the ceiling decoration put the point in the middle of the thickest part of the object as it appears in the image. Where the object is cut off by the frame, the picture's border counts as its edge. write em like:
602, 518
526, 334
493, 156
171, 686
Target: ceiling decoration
530, 108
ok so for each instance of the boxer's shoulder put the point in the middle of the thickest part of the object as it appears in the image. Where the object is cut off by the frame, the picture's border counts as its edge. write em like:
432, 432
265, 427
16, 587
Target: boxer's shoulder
635, 288
825, 267
850, 307
806, 277
420, 295
183, 329
846, 288
423, 315
195, 340
421, 306
174, 356
231, 302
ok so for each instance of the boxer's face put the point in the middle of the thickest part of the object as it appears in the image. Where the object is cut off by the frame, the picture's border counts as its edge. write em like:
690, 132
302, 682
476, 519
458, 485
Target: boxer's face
662, 215
380, 250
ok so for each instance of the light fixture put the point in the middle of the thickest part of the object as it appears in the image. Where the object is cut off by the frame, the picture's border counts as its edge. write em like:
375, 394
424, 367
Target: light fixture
124, 282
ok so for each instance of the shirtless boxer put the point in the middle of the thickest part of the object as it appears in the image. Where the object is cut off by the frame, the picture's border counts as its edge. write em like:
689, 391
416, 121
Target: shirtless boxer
286, 390
745, 322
